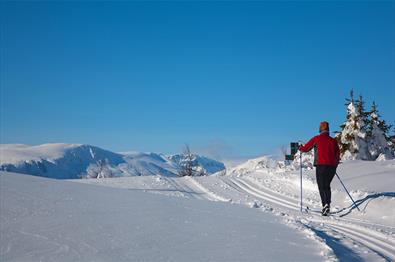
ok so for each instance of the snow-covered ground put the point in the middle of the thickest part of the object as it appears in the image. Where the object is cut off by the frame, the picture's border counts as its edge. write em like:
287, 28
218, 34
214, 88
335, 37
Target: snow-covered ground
57, 220
251, 213
348, 234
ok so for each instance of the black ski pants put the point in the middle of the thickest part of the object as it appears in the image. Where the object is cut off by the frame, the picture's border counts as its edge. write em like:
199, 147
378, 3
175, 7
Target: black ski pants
324, 175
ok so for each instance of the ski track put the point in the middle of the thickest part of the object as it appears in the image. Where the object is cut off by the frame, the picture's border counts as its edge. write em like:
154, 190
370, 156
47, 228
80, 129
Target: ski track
265, 195
378, 246
379, 243
209, 194
292, 201
383, 245
177, 187
370, 238
189, 187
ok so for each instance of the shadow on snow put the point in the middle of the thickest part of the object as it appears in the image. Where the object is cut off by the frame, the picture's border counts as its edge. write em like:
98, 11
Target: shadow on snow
359, 202
342, 252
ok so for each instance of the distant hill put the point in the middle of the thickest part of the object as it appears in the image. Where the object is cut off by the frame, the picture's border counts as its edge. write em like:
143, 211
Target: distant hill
70, 161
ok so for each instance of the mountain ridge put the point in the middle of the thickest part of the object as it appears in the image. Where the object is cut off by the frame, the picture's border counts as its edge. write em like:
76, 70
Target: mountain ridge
71, 161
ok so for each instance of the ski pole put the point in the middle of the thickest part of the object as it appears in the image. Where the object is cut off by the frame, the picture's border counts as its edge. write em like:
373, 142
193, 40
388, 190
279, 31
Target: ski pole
348, 192
301, 196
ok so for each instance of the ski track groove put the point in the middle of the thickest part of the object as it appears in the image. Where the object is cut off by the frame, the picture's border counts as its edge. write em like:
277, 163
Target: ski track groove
259, 188
369, 238
379, 247
381, 236
373, 240
210, 195
261, 196
181, 189
268, 195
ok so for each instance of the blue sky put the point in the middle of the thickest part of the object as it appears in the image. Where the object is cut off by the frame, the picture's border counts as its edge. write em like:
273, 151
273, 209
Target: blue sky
229, 78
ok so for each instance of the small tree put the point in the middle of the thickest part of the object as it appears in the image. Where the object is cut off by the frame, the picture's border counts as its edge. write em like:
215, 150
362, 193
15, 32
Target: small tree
189, 164
186, 163
99, 170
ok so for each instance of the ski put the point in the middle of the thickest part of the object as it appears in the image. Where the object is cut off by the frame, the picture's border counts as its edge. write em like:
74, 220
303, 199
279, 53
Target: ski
308, 210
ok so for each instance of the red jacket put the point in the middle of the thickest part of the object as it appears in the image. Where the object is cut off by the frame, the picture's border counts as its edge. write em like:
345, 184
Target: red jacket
326, 150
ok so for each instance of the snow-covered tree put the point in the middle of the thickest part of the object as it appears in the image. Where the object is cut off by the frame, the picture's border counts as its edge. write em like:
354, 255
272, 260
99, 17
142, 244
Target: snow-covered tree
380, 144
100, 169
352, 138
186, 163
189, 165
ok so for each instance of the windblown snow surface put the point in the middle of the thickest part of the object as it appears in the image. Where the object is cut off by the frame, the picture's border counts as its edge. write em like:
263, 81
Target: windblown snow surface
251, 213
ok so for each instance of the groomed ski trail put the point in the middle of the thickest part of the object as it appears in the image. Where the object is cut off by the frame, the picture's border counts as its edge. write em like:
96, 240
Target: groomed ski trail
354, 230
189, 187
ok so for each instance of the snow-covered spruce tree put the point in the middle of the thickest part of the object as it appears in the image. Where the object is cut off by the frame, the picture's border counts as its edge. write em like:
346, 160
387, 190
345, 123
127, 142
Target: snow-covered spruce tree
352, 138
189, 165
186, 163
379, 142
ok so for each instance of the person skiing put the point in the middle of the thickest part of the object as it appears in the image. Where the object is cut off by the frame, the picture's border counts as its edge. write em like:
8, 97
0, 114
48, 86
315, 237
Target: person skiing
326, 160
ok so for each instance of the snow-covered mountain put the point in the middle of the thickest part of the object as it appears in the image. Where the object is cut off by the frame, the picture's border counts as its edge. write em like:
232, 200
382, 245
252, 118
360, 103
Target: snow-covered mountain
60, 161
142, 164
69, 161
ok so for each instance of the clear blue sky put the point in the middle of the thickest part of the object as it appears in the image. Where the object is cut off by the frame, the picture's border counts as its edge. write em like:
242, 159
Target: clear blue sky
239, 78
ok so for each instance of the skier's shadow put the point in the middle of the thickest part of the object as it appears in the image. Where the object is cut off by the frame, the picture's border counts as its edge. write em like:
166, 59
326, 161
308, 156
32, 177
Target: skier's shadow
359, 202
342, 252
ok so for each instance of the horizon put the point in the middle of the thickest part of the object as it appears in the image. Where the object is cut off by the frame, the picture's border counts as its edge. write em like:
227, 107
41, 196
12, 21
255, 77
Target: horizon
231, 79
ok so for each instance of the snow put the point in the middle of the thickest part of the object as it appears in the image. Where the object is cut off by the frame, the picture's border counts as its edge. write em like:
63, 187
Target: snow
265, 185
364, 135
56, 220
54, 160
251, 212
210, 166
17, 153
65, 161
354, 127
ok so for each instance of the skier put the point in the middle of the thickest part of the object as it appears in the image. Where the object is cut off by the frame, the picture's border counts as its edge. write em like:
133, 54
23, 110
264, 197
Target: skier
326, 160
